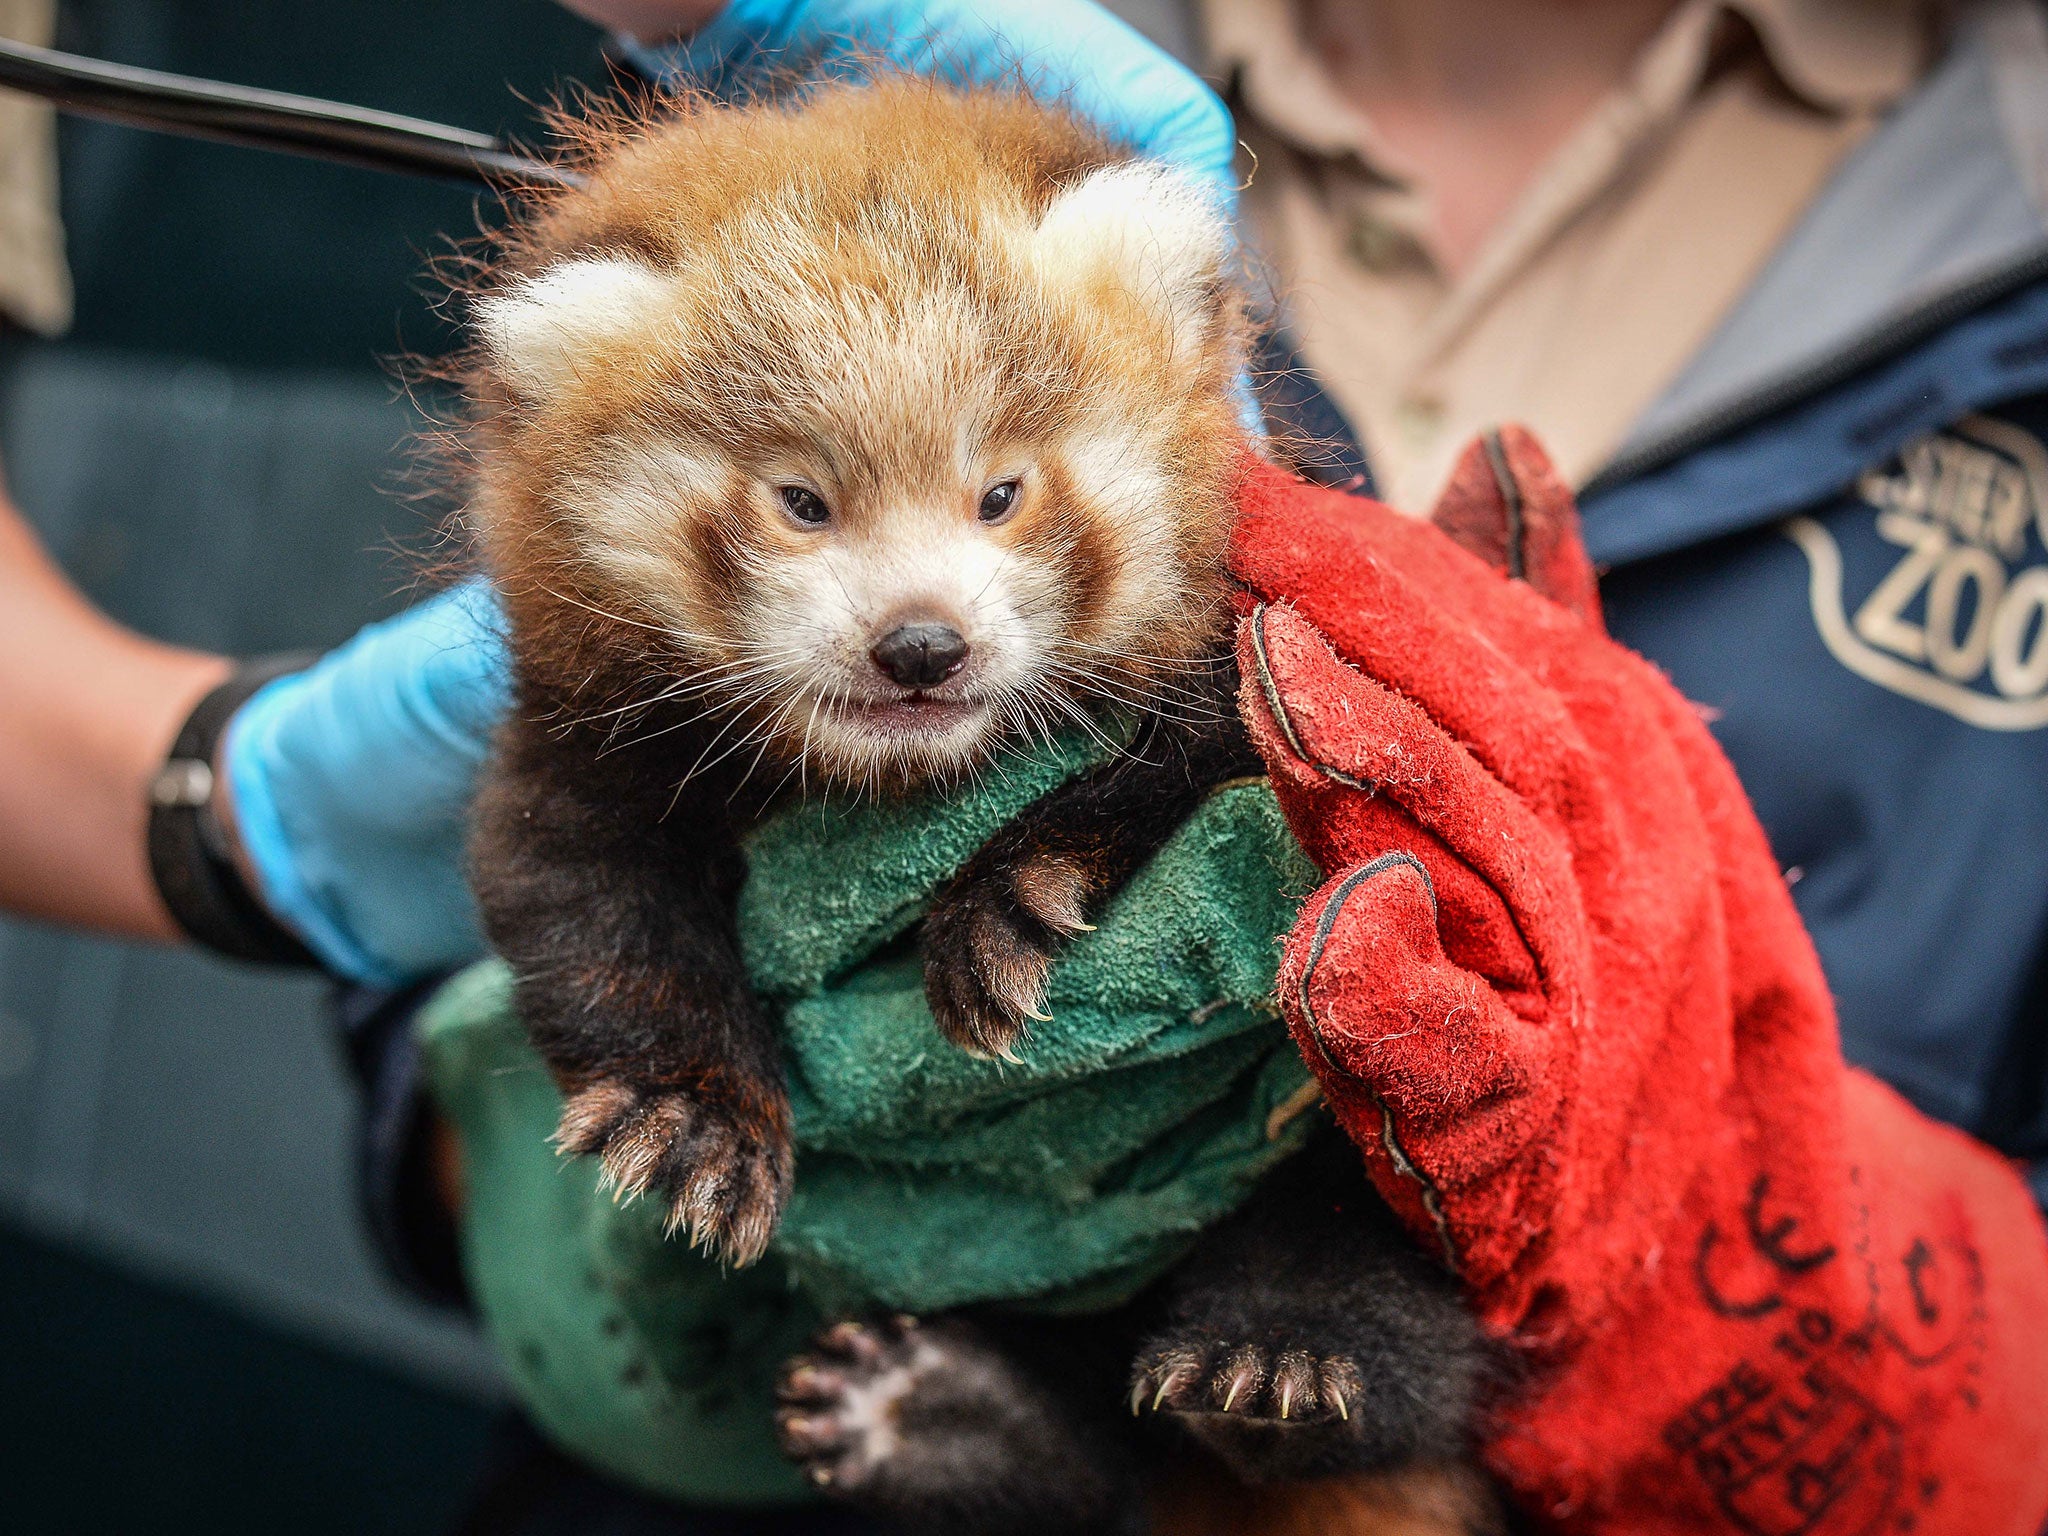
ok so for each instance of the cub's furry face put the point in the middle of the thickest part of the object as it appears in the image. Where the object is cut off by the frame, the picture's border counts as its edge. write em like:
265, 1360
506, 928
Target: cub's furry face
892, 425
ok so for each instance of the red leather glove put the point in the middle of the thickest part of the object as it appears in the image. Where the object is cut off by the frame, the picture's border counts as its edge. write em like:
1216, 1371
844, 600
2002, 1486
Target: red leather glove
1557, 991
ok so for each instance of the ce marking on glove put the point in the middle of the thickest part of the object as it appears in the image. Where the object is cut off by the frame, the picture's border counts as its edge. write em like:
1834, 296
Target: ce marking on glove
1788, 1446
1960, 621
1790, 1440
1774, 1241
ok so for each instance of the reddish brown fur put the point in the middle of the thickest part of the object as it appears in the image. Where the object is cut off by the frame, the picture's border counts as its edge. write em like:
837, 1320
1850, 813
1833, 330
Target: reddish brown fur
781, 221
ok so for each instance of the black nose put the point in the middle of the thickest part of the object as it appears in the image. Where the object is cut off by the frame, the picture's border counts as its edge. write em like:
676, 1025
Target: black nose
920, 655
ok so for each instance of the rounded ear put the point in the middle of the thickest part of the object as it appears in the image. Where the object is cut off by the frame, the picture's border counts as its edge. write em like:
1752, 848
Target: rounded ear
1148, 226
540, 329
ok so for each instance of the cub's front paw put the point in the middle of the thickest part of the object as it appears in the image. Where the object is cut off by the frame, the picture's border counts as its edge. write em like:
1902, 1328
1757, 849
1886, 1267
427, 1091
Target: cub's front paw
990, 940
720, 1161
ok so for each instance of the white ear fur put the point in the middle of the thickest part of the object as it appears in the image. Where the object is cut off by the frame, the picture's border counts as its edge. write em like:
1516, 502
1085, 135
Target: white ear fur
1146, 224
540, 328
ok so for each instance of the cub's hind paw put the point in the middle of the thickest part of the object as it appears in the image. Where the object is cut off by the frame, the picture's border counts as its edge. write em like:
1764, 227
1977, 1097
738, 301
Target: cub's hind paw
990, 940
896, 1411
1248, 1381
842, 1403
721, 1166
1269, 1414
932, 1426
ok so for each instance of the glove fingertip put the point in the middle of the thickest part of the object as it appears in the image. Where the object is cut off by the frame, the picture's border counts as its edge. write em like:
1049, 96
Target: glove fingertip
463, 677
708, 56
1292, 677
1203, 137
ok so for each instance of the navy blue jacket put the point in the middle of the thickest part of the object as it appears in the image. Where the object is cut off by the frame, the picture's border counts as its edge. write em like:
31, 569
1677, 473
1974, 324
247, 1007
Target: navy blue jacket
1833, 533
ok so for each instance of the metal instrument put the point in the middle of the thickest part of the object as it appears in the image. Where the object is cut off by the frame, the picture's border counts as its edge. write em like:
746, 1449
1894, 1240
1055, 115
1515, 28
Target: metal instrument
299, 125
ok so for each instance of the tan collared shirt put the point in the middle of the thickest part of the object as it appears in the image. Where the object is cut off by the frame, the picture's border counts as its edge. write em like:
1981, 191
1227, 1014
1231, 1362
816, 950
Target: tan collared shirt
1615, 265
35, 287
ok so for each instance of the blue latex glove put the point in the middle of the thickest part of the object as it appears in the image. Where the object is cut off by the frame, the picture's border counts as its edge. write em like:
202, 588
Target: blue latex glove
1070, 51
352, 782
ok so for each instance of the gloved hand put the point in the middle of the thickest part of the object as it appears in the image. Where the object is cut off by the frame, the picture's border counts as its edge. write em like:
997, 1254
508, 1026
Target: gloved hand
1071, 51
1557, 991
351, 784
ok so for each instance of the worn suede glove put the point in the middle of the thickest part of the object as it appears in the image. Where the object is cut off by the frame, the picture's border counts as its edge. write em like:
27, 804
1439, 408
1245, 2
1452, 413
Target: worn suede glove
1556, 989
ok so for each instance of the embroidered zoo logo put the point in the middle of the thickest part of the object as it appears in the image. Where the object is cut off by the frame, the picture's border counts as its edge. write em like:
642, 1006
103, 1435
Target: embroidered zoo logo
1960, 621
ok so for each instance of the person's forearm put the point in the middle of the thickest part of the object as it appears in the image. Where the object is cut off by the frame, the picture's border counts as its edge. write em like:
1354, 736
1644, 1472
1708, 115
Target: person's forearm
87, 712
651, 21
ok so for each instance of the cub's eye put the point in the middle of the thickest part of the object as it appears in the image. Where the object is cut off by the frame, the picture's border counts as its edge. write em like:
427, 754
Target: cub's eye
998, 502
805, 505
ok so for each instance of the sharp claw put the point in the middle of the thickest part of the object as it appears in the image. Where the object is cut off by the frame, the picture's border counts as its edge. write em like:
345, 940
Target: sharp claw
1245, 1375
1009, 1054
1084, 927
800, 1384
1286, 1400
1038, 1014
1137, 1399
1343, 1408
852, 1339
1173, 1372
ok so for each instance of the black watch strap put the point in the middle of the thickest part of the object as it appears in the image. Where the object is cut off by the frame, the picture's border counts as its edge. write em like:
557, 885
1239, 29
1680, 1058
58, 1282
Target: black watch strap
188, 855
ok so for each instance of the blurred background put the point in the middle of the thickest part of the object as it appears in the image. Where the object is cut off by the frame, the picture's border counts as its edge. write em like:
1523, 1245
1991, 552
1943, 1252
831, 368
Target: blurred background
194, 1334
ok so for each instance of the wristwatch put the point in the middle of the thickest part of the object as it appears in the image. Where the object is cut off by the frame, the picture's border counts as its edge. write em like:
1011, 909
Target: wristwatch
189, 854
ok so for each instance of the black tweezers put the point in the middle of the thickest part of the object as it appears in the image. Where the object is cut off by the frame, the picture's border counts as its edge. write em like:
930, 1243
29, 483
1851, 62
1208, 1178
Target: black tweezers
300, 125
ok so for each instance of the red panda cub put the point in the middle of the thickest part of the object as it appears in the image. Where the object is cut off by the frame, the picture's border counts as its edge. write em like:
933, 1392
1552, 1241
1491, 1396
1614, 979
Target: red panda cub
846, 443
